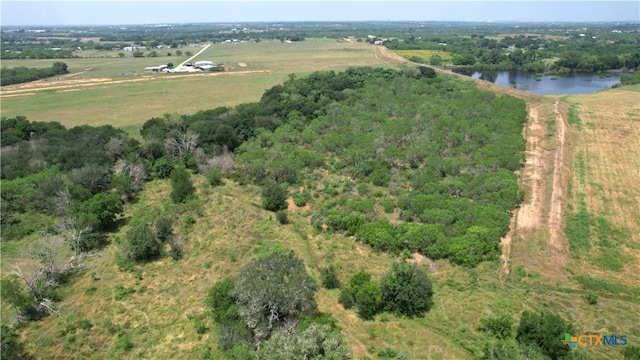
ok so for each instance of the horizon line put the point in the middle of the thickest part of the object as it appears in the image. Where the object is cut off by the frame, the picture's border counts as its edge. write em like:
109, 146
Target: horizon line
629, 21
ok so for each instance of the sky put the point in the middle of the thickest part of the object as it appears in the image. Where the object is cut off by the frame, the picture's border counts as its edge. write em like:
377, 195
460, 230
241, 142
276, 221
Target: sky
114, 12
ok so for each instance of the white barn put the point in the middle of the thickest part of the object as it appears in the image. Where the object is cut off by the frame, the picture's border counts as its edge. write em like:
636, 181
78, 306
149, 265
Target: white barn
203, 63
155, 68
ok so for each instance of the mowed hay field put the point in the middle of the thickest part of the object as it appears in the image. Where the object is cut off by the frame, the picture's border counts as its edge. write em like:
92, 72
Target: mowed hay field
604, 186
102, 95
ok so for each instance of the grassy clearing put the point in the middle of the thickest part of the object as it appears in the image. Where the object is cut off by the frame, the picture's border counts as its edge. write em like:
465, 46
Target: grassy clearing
131, 103
425, 55
104, 96
603, 177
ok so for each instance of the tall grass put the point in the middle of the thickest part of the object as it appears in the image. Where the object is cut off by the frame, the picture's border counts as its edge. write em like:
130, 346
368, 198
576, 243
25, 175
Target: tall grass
574, 117
578, 228
604, 285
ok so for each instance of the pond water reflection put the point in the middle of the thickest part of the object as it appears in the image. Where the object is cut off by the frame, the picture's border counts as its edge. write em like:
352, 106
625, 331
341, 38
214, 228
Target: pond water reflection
574, 83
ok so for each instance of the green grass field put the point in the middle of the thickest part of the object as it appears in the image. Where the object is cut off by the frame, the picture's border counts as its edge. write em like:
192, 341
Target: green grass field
425, 55
128, 101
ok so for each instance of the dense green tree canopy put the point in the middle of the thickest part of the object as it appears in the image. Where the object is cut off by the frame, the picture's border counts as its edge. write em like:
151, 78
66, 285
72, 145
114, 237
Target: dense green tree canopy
272, 291
447, 149
545, 331
407, 290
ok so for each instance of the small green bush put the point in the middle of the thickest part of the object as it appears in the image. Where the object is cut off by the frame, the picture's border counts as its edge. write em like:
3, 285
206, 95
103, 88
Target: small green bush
274, 197
181, 186
631, 352
388, 205
282, 218
329, 277
120, 292
346, 298
141, 244
301, 198
591, 298
90, 290
123, 342
163, 167
500, 325
387, 353
200, 325
543, 330
176, 251
84, 324
369, 300
214, 175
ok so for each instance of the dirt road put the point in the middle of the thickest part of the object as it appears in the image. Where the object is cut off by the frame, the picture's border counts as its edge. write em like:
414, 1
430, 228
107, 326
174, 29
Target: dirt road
529, 214
555, 215
540, 215
381, 52
77, 84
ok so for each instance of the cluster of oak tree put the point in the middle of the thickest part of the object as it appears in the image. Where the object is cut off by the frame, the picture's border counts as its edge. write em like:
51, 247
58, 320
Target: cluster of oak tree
269, 310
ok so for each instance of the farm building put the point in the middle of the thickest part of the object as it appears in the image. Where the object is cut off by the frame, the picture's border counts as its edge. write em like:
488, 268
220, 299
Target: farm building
159, 68
210, 68
203, 63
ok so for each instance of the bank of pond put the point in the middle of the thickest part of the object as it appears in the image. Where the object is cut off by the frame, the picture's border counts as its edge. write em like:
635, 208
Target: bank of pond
576, 82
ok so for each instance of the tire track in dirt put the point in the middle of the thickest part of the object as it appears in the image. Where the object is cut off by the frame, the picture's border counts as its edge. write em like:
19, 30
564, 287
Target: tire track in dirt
555, 213
529, 214
541, 167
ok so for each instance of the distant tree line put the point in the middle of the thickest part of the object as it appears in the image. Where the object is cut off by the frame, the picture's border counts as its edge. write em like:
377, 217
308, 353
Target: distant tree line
23, 74
528, 52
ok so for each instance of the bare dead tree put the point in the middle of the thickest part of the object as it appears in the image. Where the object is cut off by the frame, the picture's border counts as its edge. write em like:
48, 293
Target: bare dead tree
137, 174
36, 286
46, 274
224, 160
180, 143
115, 146
76, 230
62, 201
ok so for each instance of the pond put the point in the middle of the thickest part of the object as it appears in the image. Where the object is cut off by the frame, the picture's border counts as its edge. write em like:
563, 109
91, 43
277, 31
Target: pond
574, 83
